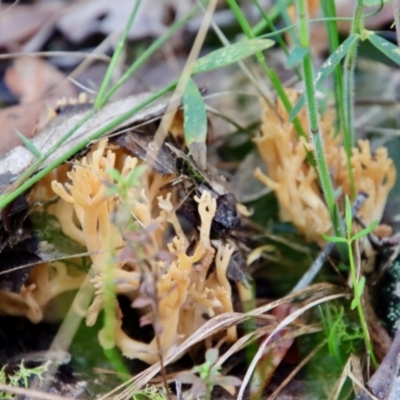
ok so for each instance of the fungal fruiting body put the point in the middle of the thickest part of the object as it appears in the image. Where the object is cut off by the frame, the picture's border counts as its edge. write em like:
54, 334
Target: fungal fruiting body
136, 243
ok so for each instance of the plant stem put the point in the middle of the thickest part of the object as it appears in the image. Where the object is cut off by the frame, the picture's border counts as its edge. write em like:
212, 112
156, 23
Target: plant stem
271, 74
274, 13
101, 99
348, 93
312, 108
357, 296
149, 51
329, 11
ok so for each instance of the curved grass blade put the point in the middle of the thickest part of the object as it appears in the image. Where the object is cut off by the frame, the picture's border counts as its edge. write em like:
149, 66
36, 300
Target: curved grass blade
327, 68
387, 48
230, 54
371, 3
195, 123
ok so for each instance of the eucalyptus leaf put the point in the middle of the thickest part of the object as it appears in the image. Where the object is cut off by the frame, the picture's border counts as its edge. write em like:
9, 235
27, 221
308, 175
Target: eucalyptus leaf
195, 123
327, 68
230, 54
387, 48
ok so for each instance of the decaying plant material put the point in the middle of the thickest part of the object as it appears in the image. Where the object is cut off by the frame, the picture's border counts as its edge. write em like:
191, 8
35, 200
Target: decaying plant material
295, 180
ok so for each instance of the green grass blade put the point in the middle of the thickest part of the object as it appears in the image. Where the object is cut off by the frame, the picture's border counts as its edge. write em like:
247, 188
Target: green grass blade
273, 14
348, 215
277, 36
371, 3
26, 183
230, 54
312, 112
387, 48
151, 50
195, 123
29, 145
271, 74
327, 68
101, 98
329, 11
296, 56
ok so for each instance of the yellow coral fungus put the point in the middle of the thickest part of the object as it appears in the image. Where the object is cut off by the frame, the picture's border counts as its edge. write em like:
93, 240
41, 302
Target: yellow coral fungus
295, 181
134, 232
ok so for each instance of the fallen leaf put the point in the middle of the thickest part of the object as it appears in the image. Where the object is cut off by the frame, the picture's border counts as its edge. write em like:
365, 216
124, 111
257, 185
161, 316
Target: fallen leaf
23, 117
18, 23
106, 17
32, 79
38, 85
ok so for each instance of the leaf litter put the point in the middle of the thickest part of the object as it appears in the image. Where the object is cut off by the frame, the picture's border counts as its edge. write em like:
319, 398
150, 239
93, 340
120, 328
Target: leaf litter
164, 243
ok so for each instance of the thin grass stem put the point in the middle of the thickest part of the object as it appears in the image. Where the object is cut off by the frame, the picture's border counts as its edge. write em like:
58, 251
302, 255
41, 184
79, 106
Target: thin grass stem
312, 108
273, 14
357, 296
151, 50
329, 11
26, 184
100, 98
271, 74
348, 93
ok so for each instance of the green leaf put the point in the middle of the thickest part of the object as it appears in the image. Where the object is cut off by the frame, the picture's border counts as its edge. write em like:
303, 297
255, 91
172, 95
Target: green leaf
360, 286
334, 239
388, 49
29, 145
327, 68
371, 3
296, 56
348, 215
354, 303
230, 54
195, 123
365, 231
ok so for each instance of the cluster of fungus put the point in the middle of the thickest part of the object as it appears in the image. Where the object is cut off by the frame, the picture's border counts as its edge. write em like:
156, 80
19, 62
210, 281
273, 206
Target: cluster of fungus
135, 232
295, 182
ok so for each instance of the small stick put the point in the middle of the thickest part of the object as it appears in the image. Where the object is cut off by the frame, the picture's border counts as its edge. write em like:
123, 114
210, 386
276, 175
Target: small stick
311, 273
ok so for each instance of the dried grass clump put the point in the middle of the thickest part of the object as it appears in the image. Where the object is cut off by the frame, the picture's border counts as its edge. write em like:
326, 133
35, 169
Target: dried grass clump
134, 237
295, 180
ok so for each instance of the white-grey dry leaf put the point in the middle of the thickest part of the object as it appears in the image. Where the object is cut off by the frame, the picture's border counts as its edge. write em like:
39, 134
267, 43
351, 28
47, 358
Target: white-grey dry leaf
104, 16
19, 159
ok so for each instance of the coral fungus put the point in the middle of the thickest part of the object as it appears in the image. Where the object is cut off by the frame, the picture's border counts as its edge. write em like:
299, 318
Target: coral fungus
134, 230
295, 180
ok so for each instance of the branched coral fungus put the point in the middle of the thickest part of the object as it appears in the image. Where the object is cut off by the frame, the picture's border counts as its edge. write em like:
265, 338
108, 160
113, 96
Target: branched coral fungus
295, 180
183, 289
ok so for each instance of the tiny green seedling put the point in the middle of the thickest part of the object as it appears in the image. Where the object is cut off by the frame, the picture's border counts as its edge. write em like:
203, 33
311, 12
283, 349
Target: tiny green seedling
209, 375
358, 284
